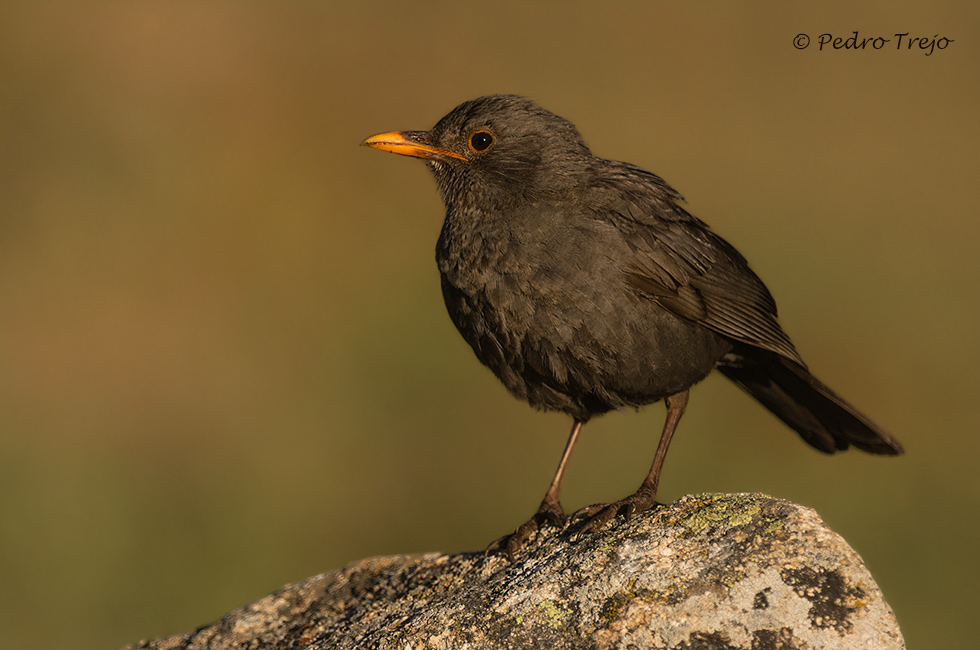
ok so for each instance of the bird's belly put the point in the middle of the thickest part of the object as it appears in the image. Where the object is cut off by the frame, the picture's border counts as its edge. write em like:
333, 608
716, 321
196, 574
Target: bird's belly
570, 348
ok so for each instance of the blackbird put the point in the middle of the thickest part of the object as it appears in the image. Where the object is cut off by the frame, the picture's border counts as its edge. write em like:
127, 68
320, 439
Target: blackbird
586, 287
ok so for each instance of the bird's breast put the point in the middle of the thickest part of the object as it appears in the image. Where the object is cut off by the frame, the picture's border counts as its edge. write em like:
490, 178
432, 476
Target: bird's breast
515, 269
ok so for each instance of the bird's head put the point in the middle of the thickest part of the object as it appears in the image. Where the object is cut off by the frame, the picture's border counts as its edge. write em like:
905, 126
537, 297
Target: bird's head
496, 149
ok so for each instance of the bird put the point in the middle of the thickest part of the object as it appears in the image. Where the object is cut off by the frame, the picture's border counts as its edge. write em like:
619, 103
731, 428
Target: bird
586, 287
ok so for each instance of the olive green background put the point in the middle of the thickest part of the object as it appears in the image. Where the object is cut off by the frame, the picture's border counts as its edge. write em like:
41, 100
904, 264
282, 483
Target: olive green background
224, 360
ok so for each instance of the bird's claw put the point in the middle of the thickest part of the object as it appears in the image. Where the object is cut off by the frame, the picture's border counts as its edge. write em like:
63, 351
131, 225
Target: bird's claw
600, 514
514, 542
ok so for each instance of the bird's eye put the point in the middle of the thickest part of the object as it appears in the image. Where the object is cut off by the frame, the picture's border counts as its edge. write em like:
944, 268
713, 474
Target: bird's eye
481, 141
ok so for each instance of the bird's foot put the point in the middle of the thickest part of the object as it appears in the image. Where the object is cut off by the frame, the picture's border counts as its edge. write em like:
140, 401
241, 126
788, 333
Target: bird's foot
600, 514
512, 544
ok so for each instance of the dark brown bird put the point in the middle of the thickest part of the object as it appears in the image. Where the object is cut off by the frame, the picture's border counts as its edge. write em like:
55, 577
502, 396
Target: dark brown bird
586, 287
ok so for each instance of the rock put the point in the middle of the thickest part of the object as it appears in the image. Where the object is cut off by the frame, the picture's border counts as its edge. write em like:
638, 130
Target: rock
739, 571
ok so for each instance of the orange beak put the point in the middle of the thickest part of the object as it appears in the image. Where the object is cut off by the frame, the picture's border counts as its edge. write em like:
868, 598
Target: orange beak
411, 143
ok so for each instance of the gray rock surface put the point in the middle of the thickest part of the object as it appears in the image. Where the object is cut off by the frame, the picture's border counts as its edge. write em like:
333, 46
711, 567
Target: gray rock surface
708, 571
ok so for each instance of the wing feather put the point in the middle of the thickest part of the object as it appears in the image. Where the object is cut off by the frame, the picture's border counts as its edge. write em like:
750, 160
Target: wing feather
679, 262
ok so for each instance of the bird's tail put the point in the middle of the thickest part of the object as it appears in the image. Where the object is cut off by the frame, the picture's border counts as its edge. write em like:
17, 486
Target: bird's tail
800, 400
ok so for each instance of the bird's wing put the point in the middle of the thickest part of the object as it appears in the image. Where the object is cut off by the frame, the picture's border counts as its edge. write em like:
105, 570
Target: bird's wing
677, 261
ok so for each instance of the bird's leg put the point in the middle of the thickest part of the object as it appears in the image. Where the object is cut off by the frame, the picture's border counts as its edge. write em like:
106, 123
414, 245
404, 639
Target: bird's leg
550, 508
644, 498
551, 504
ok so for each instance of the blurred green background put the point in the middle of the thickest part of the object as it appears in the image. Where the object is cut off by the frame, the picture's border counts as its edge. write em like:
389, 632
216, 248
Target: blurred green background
224, 360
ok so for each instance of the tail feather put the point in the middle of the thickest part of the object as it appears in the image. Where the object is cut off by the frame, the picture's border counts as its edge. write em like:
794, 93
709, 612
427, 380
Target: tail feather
799, 399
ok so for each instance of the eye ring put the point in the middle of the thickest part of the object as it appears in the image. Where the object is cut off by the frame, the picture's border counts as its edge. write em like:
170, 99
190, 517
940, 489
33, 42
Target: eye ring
480, 140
